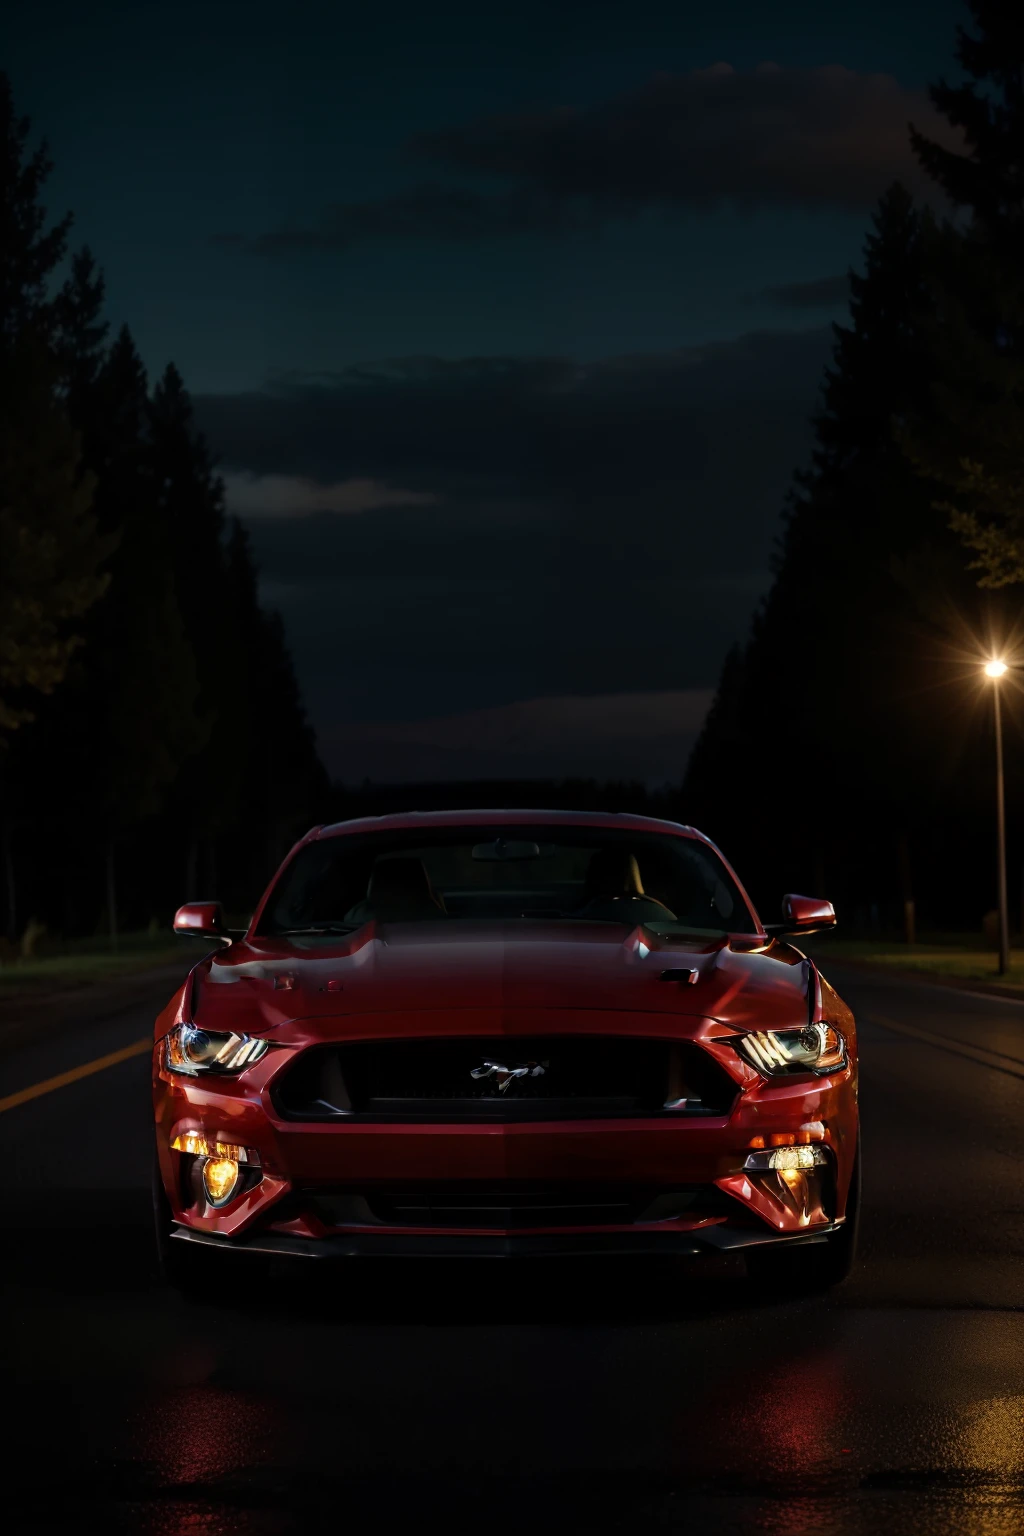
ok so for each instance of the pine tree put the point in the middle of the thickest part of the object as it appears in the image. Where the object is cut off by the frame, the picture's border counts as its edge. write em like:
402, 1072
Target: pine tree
179, 710
988, 108
142, 675
50, 552
284, 781
50, 555
969, 442
79, 335
126, 722
29, 252
831, 703
191, 507
239, 801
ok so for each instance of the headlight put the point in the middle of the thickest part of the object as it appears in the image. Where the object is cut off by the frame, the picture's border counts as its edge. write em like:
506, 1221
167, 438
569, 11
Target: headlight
194, 1050
816, 1048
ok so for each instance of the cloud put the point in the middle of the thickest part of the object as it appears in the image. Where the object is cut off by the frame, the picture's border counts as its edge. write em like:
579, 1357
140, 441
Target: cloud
431, 212
509, 426
596, 529
819, 293
759, 137
253, 495
767, 137
644, 736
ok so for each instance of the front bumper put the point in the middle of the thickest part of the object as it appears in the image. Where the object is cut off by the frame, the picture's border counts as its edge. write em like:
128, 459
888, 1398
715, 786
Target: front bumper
280, 1213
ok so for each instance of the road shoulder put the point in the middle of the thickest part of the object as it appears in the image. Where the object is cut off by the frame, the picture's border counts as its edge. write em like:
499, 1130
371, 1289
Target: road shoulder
31, 1016
915, 976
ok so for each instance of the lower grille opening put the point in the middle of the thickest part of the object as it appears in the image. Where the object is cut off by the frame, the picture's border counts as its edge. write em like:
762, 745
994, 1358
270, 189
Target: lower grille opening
506, 1078
515, 1206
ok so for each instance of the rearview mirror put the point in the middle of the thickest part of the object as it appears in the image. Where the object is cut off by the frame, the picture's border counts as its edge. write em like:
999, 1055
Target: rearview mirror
201, 920
803, 914
503, 848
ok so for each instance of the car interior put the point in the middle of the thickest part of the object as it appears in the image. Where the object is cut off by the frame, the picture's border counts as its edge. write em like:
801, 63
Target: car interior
653, 881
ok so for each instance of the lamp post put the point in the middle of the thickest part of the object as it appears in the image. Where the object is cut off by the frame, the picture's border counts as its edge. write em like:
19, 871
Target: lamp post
995, 669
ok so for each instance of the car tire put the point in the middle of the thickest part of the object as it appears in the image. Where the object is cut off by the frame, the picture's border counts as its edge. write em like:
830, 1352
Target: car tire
812, 1266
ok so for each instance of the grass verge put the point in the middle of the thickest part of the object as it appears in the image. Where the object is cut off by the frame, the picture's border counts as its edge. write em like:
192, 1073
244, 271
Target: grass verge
81, 967
956, 958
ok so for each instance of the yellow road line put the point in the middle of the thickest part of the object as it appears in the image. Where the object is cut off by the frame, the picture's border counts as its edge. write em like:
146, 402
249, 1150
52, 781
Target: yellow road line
999, 1061
23, 1095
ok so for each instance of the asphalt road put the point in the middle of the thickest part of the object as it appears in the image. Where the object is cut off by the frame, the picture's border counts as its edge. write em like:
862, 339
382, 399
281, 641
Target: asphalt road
493, 1397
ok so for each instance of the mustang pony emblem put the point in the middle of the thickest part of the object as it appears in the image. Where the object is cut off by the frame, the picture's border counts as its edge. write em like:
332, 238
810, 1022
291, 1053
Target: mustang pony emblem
504, 1075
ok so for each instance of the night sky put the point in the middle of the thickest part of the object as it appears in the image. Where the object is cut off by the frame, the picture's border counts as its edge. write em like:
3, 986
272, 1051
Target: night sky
505, 322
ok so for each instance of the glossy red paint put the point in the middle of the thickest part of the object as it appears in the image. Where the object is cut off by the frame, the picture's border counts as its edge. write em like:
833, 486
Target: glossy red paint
201, 919
499, 982
807, 914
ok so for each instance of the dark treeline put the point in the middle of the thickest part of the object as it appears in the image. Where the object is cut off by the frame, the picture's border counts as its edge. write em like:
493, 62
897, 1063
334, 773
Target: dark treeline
849, 751
153, 743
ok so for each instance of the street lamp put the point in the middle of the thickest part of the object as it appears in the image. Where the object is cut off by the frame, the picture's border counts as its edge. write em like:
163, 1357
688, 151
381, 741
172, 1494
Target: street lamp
996, 669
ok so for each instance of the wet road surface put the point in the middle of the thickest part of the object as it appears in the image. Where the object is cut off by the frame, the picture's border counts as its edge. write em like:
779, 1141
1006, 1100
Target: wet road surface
616, 1396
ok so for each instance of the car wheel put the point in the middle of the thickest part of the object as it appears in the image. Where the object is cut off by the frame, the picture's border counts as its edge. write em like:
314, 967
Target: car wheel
816, 1266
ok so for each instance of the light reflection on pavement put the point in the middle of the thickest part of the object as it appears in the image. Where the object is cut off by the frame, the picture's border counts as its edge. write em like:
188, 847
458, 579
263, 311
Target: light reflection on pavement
624, 1397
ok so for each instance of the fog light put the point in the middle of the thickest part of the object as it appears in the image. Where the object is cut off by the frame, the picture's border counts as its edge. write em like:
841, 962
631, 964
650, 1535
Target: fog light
785, 1159
221, 1167
220, 1179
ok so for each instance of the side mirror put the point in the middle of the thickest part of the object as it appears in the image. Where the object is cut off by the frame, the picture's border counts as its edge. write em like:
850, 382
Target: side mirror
201, 920
803, 914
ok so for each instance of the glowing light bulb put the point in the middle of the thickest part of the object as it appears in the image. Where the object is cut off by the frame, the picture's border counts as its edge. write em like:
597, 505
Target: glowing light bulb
995, 667
220, 1175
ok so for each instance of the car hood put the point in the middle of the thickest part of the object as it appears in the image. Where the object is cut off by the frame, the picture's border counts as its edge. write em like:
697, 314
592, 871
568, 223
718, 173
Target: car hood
503, 968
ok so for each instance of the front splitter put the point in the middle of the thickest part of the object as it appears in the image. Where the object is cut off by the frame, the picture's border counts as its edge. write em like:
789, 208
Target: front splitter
354, 1245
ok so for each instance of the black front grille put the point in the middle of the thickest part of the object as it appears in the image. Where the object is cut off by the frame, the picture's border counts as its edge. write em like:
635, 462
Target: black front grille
557, 1077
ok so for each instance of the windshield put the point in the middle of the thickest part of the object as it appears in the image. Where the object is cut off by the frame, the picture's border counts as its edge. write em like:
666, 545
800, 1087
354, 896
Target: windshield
670, 884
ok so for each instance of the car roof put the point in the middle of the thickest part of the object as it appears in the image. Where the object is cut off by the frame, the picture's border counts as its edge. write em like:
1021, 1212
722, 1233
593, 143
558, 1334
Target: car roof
409, 820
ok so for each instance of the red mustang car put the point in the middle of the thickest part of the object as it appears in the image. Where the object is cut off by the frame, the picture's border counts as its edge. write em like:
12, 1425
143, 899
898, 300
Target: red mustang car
505, 1033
